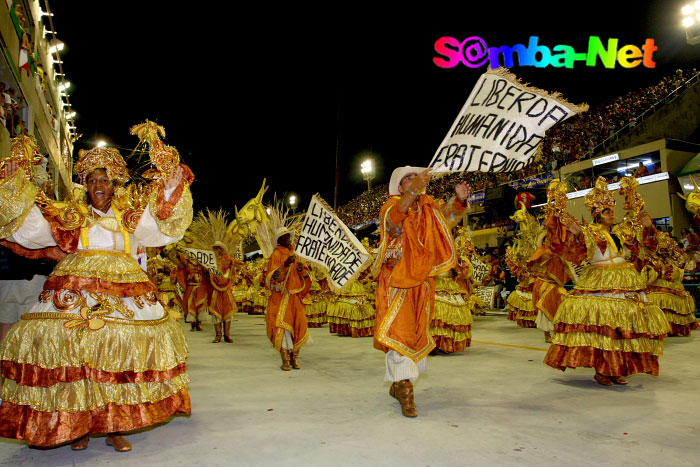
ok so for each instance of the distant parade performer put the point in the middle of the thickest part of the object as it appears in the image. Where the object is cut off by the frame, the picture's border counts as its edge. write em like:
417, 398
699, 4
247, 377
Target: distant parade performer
97, 353
550, 272
289, 281
416, 245
210, 231
606, 322
521, 308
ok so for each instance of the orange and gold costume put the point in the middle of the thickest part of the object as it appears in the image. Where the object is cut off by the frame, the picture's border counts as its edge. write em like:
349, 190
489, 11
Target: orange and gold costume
414, 247
285, 308
222, 305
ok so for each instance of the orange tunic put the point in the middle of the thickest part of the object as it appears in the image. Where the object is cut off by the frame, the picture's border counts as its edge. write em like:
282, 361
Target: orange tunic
414, 247
221, 303
285, 309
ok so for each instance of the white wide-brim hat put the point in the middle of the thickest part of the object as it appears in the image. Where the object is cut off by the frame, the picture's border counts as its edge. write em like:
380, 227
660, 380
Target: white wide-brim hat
281, 231
398, 174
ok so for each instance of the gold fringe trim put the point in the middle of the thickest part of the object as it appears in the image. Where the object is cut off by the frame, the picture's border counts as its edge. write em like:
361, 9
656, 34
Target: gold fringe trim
681, 320
516, 302
639, 345
624, 277
616, 313
317, 308
667, 301
452, 315
350, 311
85, 395
451, 334
359, 324
119, 346
102, 265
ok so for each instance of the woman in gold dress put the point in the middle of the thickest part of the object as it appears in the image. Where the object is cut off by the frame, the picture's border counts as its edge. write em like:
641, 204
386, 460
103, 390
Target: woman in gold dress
97, 353
606, 322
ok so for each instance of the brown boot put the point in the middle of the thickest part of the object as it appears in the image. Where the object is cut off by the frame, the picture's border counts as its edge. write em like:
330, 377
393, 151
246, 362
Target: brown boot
618, 380
199, 325
602, 379
294, 360
194, 326
286, 357
403, 391
217, 328
118, 442
548, 337
227, 330
81, 443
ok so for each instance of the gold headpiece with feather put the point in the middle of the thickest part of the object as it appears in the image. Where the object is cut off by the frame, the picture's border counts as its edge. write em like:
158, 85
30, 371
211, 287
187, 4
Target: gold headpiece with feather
600, 199
165, 158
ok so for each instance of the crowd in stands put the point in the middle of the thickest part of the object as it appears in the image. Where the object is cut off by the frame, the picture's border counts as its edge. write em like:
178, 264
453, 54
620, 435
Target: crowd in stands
568, 142
10, 109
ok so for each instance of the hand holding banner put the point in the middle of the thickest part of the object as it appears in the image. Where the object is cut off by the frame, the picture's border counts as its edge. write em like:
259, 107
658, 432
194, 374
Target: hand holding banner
327, 242
501, 126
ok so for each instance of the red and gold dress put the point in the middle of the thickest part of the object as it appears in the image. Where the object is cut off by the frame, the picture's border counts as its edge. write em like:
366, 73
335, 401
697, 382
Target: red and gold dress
97, 353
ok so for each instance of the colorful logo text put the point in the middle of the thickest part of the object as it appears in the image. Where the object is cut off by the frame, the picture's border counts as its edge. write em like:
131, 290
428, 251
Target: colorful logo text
474, 53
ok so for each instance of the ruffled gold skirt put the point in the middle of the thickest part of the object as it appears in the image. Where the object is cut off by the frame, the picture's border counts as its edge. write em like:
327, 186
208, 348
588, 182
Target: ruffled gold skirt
616, 336
59, 382
679, 308
351, 317
521, 308
451, 326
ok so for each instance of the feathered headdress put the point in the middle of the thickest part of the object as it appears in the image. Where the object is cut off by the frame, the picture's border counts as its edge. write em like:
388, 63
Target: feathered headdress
633, 200
210, 230
280, 223
600, 199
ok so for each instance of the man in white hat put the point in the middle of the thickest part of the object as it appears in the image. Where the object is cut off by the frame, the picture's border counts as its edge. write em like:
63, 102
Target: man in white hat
416, 244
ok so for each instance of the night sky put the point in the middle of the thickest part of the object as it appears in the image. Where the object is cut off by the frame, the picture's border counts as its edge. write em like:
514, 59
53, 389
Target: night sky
247, 95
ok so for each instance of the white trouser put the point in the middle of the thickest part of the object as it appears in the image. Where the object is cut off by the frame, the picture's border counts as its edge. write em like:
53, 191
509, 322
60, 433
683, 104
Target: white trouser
287, 342
400, 367
543, 322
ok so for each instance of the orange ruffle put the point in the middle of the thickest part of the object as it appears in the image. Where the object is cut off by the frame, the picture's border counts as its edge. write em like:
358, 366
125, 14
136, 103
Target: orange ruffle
436, 323
606, 362
52, 253
447, 345
682, 329
92, 284
26, 374
165, 208
607, 331
52, 428
526, 323
347, 330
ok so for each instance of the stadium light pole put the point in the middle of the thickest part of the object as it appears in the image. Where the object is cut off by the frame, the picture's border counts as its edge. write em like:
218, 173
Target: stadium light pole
367, 169
691, 22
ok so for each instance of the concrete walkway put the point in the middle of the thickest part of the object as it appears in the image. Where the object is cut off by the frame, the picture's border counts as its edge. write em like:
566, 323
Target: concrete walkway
494, 404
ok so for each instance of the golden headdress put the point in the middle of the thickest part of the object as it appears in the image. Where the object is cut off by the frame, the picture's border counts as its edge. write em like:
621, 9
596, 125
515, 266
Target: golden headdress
633, 200
600, 198
668, 247
165, 158
102, 158
210, 230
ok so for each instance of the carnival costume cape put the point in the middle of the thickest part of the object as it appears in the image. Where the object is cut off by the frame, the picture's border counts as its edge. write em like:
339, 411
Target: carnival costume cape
286, 310
421, 245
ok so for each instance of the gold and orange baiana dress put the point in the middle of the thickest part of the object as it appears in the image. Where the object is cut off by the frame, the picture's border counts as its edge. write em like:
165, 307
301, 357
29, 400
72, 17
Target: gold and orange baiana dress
607, 322
351, 312
286, 310
97, 353
451, 326
669, 294
414, 247
317, 300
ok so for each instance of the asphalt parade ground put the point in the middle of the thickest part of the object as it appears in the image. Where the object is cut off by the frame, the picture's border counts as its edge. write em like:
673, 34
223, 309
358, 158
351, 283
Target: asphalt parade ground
494, 404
